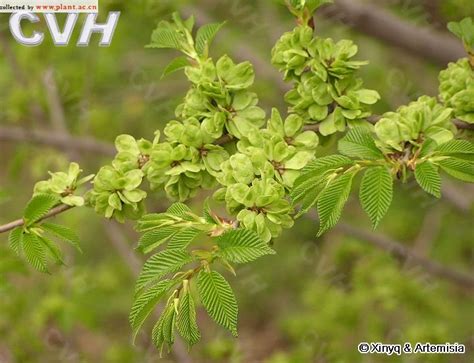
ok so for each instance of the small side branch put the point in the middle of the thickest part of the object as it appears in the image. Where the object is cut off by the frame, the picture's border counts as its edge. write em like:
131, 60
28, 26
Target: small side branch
379, 23
399, 250
56, 140
20, 222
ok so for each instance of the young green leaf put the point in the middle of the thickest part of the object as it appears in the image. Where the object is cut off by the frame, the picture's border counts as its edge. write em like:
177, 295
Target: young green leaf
306, 183
145, 303
359, 143
309, 200
242, 246
169, 324
376, 192
312, 193
218, 299
186, 321
175, 65
53, 249
427, 177
315, 4
38, 207
163, 332
463, 29
151, 221
189, 23
330, 161
64, 233
183, 238
155, 238
161, 264
458, 168
332, 201
205, 35
300, 5
428, 147
177, 213
316, 173
208, 215
35, 251
157, 333
15, 240
180, 210
456, 147
165, 38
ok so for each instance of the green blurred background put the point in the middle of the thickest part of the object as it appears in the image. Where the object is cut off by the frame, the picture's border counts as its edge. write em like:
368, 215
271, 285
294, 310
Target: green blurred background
312, 302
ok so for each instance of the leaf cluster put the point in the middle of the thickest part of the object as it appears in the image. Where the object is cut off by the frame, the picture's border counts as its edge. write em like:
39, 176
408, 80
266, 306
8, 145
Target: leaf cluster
170, 274
327, 181
34, 239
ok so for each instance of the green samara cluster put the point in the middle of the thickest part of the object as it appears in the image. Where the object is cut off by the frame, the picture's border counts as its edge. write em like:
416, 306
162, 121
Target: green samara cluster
257, 177
64, 185
326, 89
116, 193
220, 100
192, 153
413, 124
219, 103
456, 89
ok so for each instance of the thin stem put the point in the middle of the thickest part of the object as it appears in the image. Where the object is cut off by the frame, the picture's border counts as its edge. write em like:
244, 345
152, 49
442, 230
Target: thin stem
20, 222
188, 276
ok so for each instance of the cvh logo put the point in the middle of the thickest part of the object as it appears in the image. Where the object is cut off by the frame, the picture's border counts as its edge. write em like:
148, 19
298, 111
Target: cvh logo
61, 37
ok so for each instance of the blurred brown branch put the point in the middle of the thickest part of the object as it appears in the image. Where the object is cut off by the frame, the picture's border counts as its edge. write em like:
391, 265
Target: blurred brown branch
56, 140
91, 145
399, 250
123, 248
56, 110
427, 234
379, 23
461, 198
11, 59
57, 115
21, 76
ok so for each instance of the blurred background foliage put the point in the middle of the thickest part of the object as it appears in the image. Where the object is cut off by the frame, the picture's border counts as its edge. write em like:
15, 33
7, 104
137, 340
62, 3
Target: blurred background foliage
315, 300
